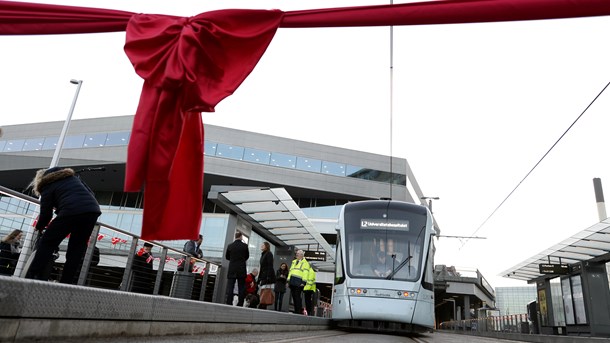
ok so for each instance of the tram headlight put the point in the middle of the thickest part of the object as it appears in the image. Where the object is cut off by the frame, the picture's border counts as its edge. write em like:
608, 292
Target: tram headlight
358, 291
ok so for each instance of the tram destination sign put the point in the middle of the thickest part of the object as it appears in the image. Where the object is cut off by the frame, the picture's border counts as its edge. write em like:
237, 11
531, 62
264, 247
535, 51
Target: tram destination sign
384, 224
553, 268
315, 255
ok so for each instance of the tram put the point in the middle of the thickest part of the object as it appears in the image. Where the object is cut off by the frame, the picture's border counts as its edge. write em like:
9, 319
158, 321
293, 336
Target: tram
384, 267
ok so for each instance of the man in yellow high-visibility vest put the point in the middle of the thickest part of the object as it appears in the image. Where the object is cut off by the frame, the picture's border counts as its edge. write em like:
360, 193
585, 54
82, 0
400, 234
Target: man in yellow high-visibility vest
297, 279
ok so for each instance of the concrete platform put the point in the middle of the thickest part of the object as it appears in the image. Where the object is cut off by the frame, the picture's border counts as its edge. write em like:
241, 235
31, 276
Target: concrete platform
31, 310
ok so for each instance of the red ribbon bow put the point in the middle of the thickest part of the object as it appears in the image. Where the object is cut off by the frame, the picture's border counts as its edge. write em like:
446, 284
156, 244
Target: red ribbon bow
188, 65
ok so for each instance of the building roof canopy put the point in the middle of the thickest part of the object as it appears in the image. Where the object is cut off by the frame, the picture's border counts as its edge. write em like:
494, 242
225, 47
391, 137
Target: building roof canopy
592, 243
273, 212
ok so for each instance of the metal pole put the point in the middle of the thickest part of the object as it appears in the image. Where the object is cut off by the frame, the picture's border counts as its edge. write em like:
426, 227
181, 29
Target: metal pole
599, 199
64, 130
27, 248
430, 201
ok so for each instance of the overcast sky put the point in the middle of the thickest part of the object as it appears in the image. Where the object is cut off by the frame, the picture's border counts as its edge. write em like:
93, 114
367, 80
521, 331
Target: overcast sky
475, 107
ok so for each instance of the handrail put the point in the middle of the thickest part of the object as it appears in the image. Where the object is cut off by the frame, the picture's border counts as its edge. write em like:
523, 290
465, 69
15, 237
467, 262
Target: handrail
27, 209
35, 201
507, 323
19, 195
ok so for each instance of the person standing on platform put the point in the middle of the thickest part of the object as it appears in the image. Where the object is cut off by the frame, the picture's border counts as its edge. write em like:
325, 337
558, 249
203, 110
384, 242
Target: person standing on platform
76, 212
309, 290
237, 254
297, 278
266, 276
143, 273
193, 247
10, 251
281, 277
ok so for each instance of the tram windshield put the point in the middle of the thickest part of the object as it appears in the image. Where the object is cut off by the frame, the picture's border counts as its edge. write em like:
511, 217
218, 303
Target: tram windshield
385, 242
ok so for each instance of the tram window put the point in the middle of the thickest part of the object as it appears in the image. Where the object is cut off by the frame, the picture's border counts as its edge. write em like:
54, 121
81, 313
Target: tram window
339, 273
429, 271
376, 256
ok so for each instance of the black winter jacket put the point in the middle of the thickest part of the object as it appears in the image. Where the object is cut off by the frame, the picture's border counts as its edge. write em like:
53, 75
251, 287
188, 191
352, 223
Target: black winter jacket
266, 275
63, 191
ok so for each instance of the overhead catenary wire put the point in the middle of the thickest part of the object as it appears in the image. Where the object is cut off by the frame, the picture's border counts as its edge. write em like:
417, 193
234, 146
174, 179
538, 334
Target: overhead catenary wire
537, 163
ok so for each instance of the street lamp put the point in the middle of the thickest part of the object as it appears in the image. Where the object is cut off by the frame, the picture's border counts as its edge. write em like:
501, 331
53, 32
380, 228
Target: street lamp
430, 201
26, 249
64, 130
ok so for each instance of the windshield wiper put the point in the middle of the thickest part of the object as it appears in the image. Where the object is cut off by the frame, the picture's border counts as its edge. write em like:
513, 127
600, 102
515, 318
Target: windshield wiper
402, 264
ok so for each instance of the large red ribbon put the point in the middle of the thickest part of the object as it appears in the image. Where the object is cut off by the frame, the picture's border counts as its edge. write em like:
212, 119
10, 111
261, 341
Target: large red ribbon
189, 65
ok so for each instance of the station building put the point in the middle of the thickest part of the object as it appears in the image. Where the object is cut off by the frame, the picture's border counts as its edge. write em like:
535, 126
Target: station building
270, 188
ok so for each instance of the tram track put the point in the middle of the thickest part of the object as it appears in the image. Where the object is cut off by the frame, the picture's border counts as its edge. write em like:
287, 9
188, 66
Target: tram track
351, 337
308, 338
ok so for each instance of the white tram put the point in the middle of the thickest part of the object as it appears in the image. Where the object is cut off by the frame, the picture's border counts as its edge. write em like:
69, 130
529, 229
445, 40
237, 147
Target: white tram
384, 267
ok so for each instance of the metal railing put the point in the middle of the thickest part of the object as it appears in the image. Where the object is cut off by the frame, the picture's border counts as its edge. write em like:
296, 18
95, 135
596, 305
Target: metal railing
516, 323
109, 260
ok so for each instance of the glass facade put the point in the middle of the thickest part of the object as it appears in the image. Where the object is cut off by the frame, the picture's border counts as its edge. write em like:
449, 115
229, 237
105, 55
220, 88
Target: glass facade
95, 140
559, 318
71, 142
283, 160
117, 139
309, 164
13, 145
257, 156
219, 150
324, 212
254, 248
20, 215
229, 151
213, 228
513, 300
333, 168
33, 144
74, 142
50, 143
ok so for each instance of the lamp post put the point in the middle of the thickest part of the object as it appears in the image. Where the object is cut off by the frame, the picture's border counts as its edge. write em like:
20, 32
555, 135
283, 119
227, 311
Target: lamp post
64, 130
27, 247
430, 201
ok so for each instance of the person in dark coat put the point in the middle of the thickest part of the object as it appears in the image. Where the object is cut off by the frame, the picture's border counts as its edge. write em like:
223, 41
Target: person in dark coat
143, 273
237, 254
193, 248
281, 277
76, 214
10, 251
266, 275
